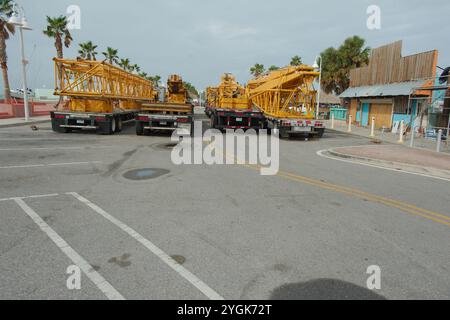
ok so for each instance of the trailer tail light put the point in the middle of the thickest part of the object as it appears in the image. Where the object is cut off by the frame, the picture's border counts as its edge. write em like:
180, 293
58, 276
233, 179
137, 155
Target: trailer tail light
140, 118
319, 124
183, 120
100, 119
60, 116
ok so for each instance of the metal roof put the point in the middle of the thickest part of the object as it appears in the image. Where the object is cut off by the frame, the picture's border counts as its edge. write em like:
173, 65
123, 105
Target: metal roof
386, 90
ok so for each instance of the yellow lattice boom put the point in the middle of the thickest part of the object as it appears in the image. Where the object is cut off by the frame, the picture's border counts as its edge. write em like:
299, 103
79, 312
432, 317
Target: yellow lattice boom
285, 93
97, 86
212, 96
176, 91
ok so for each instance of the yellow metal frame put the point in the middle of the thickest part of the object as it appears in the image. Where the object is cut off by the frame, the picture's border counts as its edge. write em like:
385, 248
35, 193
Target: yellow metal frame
97, 86
285, 93
228, 95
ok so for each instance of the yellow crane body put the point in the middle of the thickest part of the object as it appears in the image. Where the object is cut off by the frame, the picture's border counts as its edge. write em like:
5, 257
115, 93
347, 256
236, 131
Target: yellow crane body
283, 100
176, 91
98, 87
173, 113
285, 93
228, 95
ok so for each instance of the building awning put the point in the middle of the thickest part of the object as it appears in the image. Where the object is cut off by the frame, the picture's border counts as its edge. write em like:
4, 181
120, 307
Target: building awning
386, 90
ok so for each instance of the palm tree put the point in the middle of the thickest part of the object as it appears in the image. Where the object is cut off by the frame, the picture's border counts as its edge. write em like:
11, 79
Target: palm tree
57, 28
87, 51
6, 30
143, 75
125, 64
135, 68
111, 55
156, 79
274, 68
337, 63
257, 70
296, 61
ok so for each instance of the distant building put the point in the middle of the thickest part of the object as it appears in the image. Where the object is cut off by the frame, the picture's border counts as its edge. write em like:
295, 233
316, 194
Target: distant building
45, 95
327, 102
384, 88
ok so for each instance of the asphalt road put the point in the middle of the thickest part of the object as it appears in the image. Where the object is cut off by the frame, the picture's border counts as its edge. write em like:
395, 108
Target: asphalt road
210, 232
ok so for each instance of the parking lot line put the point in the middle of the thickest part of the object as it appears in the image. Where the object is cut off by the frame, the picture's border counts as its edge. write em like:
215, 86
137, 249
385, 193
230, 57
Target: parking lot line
56, 148
183, 272
101, 283
51, 165
31, 197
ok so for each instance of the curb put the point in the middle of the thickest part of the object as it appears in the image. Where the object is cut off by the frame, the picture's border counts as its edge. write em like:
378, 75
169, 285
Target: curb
23, 124
404, 166
363, 136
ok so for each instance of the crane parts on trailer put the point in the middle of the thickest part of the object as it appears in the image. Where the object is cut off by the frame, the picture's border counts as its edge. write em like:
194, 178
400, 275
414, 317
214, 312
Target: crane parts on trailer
99, 96
171, 113
284, 100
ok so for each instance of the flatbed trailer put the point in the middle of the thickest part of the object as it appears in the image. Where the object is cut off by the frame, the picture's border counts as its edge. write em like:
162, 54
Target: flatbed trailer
103, 123
290, 128
223, 119
167, 117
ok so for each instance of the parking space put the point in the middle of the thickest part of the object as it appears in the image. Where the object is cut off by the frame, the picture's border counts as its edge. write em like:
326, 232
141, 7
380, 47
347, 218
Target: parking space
207, 232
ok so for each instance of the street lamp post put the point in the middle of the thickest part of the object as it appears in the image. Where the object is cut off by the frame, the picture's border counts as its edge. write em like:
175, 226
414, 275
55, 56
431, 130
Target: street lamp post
319, 67
22, 24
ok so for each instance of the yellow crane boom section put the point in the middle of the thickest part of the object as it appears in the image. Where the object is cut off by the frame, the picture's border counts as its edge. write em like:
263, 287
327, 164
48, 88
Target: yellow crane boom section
228, 95
176, 91
285, 93
97, 86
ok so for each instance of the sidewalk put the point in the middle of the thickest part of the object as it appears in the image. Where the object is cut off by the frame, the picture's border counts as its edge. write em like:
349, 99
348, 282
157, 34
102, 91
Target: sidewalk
397, 157
419, 142
15, 122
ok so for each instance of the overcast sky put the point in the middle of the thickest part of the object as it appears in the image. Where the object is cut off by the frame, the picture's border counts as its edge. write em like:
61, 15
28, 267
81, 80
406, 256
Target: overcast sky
202, 39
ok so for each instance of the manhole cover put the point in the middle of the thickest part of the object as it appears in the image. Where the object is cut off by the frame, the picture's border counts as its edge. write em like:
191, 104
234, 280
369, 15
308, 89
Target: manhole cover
145, 174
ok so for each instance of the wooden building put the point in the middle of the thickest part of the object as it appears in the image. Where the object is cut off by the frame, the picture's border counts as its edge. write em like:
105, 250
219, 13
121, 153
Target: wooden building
383, 88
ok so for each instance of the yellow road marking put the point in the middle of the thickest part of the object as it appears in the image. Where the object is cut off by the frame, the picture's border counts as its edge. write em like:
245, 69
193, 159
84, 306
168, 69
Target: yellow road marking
403, 206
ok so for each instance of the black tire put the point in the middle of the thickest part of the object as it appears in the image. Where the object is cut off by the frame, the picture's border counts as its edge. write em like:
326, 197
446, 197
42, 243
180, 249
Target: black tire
139, 128
109, 128
213, 121
320, 133
284, 134
119, 125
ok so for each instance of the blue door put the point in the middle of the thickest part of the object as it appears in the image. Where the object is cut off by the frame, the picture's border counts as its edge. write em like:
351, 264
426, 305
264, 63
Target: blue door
365, 115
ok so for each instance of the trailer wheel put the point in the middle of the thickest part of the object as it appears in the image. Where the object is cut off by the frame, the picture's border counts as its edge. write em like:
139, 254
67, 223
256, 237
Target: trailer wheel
320, 132
119, 124
284, 134
109, 127
139, 129
192, 130
213, 121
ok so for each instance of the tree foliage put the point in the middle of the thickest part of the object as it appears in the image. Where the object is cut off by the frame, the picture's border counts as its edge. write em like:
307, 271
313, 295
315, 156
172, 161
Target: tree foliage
296, 61
257, 70
337, 63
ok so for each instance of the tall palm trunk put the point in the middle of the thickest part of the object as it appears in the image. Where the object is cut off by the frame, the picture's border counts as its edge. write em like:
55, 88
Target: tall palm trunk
59, 53
4, 66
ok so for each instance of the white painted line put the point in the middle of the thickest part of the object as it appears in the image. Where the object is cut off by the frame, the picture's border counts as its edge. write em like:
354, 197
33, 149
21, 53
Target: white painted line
40, 138
93, 275
51, 165
321, 154
183, 272
57, 148
31, 197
